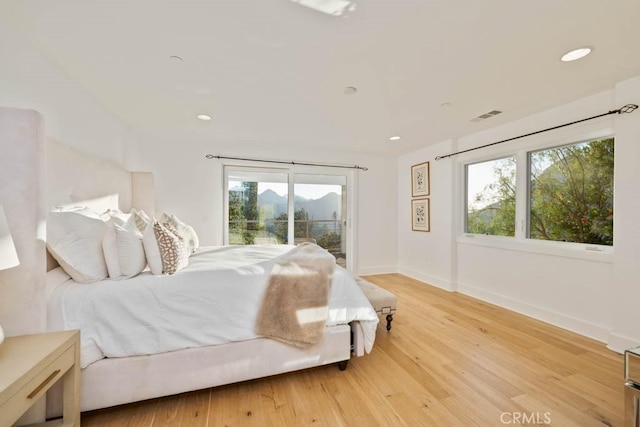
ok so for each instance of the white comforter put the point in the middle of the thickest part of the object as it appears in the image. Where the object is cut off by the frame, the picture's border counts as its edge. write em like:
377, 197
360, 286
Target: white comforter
214, 300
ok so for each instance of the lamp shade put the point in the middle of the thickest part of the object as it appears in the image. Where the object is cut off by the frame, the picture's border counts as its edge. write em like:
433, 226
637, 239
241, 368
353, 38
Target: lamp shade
8, 255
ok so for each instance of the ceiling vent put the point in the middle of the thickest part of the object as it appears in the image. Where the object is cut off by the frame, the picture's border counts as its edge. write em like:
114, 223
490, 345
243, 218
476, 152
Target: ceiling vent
486, 115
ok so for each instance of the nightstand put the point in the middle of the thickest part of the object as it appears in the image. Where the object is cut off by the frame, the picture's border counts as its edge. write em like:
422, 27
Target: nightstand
30, 365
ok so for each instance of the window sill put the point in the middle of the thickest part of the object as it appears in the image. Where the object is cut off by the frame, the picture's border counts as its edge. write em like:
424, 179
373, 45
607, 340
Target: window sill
596, 253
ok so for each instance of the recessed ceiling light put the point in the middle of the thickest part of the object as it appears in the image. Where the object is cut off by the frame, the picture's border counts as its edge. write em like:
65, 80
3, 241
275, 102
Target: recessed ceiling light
350, 90
175, 58
445, 105
394, 138
330, 7
574, 54
204, 117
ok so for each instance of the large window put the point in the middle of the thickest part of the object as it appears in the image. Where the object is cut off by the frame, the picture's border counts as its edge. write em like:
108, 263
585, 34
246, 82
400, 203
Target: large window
491, 197
565, 194
571, 193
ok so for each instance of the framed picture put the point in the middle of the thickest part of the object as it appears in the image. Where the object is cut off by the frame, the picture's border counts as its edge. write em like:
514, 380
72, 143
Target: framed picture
420, 180
420, 215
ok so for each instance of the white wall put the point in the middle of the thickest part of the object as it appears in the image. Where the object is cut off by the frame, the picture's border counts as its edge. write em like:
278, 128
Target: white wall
626, 270
29, 80
190, 186
427, 256
590, 293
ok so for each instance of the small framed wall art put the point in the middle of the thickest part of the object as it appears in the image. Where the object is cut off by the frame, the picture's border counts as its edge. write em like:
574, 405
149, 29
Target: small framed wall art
420, 215
420, 180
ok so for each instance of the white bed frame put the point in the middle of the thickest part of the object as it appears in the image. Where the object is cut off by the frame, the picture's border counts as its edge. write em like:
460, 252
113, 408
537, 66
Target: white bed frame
110, 382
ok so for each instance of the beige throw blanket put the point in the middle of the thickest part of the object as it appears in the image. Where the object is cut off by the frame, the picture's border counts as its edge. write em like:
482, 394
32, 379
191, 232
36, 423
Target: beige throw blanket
295, 304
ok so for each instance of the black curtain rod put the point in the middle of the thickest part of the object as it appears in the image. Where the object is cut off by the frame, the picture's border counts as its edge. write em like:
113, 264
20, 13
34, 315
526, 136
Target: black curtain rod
211, 156
629, 108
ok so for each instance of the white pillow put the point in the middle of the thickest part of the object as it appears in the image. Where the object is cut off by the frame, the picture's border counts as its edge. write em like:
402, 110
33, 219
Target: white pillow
116, 213
149, 242
74, 239
151, 250
141, 219
130, 250
110, 250
123, 249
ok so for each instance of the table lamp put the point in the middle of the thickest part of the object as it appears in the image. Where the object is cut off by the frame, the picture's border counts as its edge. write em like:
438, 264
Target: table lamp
8, 255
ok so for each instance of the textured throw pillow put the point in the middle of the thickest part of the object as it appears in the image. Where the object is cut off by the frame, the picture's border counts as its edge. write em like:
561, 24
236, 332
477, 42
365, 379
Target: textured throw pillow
174, 252
185, 231
74, 239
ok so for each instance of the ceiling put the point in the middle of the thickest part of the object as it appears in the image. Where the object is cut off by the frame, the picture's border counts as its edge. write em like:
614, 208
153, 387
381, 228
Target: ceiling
274, 72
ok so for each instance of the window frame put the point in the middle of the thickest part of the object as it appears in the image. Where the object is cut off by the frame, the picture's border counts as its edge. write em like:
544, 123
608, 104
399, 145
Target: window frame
521, 241
466, 192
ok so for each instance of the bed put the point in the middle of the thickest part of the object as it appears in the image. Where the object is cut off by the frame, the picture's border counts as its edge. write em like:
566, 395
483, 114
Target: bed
219, 344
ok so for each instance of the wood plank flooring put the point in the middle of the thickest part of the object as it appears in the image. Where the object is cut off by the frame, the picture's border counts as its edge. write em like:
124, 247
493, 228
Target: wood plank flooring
450, 360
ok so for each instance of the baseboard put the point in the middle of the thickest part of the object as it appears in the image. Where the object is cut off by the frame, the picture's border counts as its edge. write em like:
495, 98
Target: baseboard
430, 280
570, 323
620, 343
371, 271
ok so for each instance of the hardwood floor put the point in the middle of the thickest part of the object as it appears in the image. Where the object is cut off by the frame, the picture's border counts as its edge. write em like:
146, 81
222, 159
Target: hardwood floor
450, 360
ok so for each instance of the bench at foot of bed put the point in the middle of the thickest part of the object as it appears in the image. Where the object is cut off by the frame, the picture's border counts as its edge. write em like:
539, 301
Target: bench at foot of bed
383, 301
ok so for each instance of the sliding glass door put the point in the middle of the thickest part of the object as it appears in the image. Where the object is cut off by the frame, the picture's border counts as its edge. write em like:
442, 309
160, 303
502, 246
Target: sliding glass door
320, 212
259, 210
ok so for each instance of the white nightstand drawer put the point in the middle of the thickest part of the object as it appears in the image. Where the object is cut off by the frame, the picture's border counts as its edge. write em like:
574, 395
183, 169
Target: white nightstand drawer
37, 386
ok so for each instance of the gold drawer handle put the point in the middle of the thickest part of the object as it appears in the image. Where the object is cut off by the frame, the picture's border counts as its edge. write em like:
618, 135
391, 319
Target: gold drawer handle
43, 384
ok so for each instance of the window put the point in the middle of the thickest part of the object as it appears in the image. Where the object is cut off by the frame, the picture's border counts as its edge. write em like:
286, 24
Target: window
565, 194
571, 193
491, 197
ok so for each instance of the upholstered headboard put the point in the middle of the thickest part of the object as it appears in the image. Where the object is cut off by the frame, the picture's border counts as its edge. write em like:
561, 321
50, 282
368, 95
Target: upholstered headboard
22, 288
77, 179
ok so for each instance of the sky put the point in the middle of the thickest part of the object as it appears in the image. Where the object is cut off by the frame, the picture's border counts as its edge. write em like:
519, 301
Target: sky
479, 175
308, 191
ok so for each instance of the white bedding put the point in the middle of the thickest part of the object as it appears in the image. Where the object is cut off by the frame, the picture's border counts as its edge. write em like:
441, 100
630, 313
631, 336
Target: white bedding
213, 301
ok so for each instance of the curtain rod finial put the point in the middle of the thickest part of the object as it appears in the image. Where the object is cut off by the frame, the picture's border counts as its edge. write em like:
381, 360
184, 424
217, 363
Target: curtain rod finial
209, 156
629, 108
